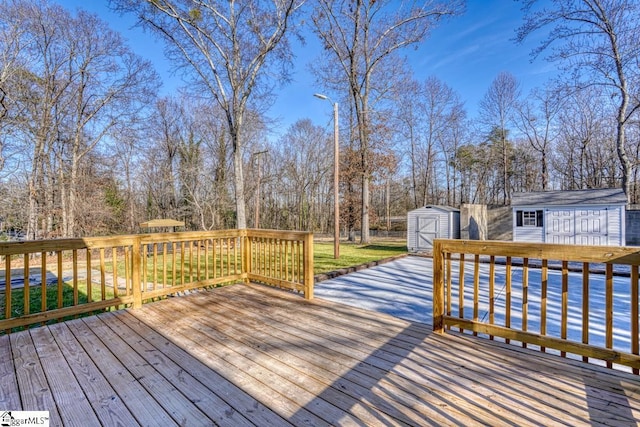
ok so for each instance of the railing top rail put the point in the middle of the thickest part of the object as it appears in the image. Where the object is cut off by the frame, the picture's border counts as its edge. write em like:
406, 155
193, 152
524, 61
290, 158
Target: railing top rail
51, 245
278, 234
626, 255
187, 235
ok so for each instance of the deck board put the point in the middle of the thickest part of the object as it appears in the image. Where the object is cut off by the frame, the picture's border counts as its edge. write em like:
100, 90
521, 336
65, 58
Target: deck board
244, 405
33, 388
105, 402
246, 355
128, 389
214, 407
71, 401
9, 392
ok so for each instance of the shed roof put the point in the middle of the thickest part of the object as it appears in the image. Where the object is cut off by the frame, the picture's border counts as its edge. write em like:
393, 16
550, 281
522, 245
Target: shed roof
440, 207
162, 223
602, 196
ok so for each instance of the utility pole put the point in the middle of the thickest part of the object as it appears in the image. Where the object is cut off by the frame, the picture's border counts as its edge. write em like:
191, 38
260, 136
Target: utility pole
336, 177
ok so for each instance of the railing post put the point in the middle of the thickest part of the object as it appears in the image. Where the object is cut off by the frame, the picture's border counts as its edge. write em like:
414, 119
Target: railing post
438, 287
136, 263
246, 254
308, 266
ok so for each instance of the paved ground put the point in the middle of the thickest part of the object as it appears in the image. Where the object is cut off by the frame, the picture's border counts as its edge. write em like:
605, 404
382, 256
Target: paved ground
401, 288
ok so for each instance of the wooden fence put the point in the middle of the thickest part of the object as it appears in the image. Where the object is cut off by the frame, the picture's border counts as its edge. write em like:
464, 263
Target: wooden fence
57, 279
573, 299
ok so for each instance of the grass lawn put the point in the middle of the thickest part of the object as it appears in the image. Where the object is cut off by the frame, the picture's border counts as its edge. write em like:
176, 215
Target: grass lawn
352, 254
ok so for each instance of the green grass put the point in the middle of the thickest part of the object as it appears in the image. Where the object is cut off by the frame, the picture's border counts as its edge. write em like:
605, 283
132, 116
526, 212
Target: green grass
35, 298
352, 254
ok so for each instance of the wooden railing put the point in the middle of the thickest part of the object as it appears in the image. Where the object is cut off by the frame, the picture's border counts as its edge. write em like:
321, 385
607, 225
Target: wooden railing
56, 279
575, 300
282, 259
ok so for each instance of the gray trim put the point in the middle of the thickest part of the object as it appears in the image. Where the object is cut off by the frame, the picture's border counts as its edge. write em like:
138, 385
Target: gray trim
604, 196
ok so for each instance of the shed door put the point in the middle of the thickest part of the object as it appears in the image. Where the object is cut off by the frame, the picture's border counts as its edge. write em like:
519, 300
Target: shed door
426, 231
560, 228
579, 226
591, 227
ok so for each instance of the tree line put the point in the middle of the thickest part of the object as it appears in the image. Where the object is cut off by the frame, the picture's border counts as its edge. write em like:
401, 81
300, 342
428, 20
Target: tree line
87, 147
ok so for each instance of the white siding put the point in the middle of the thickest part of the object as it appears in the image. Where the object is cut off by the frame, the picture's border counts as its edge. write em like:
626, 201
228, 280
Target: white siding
528, 234
581, 225
428, 223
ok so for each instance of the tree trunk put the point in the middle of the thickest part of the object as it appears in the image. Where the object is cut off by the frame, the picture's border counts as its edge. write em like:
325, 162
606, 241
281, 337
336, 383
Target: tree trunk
238, 180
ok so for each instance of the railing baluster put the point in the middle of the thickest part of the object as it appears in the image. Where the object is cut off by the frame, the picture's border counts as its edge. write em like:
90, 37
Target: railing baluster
476, 289
230, 257
103, 277
461, 294
88, 268
507, 311
155, 266
114, 261
449, 280
198, 260
174, 269
544, 283
216, 251
76, 295
8, 302
299, 257
182, 249
492, 297
585, 306
127, 271
525, 296
60, 280
235, 255
635, 317
43, 281
165, 248
27, 285
144, 261
191, 243
206, 258
609, 308
565, 303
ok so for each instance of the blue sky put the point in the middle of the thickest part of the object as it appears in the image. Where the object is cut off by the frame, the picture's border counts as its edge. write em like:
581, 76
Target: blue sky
466, 52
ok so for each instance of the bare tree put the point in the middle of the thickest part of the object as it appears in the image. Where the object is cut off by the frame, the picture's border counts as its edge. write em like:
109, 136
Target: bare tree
598, 41
108, 85
536, 119
76, 79
426, 117
299, 174
12, 57
496, 112
586, 144
362, 38
231, 47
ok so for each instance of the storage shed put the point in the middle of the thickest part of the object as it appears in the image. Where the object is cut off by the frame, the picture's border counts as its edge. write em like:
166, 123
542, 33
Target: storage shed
581, 217
431, 222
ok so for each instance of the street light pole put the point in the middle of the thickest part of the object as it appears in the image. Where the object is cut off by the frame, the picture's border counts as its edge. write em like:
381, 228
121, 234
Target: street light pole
336, 177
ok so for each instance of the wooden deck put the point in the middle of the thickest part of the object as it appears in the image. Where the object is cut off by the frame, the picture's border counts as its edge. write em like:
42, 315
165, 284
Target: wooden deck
249, 355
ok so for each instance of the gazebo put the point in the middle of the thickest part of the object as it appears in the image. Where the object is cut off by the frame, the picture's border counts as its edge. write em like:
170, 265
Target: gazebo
162, 223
